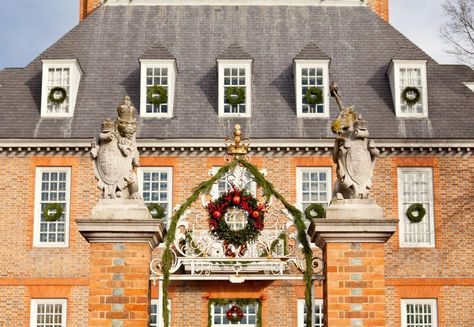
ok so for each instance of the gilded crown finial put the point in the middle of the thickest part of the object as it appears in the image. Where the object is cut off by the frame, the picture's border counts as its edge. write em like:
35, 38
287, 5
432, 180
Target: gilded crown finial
240, 146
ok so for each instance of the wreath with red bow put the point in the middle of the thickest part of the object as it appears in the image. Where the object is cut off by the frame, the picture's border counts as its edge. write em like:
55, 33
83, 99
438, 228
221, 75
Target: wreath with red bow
240, 199
234, 314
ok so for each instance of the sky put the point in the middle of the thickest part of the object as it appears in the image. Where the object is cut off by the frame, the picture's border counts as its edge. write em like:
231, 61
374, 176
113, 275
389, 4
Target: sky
28, 27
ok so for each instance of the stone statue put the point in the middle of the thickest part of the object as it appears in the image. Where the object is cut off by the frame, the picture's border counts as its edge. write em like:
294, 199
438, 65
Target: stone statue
353, 153
114, 153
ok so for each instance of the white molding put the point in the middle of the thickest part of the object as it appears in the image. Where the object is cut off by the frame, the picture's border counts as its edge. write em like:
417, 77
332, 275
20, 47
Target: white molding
394, 77
172, 69
298, 66
432, 302
329, 3
37, 207
470, 85
75, 78
299, 181
247, 65
401, 211
34, 308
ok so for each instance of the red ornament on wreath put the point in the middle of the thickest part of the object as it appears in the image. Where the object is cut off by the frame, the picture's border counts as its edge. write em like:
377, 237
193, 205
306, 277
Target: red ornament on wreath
234, 314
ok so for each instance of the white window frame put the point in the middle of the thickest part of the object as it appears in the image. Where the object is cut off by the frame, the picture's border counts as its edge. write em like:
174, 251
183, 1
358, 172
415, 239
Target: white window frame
215, 186
170, 64
401, 210
247, 65
34, 310
37, 214
299, 65
299, 183
239, 323
394, 75
75, 72
169, 171
159, 312
302, 314
432, 302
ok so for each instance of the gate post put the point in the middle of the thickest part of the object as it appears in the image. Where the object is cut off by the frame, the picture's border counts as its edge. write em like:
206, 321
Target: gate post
352, 238
122, 236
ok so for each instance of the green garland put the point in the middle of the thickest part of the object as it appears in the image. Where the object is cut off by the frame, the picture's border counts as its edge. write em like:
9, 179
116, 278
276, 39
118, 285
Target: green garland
405, 97
156, 211
52, 95
269, 191
233, 90
239, 302
162, 95
314, 95
416, 208
315, 207
55, 207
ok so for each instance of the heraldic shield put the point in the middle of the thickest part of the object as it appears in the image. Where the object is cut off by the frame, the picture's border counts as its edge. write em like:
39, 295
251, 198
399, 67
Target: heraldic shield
359, 164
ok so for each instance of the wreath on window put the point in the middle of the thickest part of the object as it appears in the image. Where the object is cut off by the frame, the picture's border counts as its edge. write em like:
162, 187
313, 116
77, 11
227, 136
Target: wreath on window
315, 210
156, 211
411, 95
57, 95
234, 314
416, 212
236, 202
157, 95
235, 95
52, 212
314, 95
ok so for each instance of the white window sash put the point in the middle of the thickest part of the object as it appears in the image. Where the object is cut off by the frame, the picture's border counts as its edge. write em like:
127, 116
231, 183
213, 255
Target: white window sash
299, 183
230, 324
430, 302
245, 64
34, 311
37, 215
301, 303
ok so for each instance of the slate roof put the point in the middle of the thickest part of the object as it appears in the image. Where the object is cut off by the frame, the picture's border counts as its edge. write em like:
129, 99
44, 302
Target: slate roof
311, 52
360, 44
234, 52
157, 52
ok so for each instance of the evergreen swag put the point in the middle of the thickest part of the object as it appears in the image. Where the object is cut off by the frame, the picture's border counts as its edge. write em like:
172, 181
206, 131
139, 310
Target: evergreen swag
240, 199
235, 95
314, 95
156, 211
416, 212
269, 191
406, 95
52, 212
315, 210
157, 100
52, 97
235, 302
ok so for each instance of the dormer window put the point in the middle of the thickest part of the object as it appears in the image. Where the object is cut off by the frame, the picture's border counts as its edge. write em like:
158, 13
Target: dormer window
59, 87
409, 87
235, 75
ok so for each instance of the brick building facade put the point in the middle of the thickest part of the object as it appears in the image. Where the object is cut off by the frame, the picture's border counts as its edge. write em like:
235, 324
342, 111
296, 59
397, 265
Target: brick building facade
423, 276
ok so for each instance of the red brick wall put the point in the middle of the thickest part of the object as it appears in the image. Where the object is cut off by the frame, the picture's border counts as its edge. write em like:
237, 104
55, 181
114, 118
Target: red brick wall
380, 7
86, 7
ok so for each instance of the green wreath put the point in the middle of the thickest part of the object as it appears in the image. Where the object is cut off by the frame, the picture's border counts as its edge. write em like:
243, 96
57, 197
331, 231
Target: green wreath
416, 212
411, 101
57, 210
52, 95
162, 95
314, 95
156, 211
235, 95
315, 208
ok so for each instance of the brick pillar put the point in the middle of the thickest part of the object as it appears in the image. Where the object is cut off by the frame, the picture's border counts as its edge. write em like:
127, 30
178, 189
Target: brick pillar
352, 238
86, 7
380, 7
122, 235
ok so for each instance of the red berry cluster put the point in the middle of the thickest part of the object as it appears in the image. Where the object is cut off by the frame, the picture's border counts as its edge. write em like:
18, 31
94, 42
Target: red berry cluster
234, 314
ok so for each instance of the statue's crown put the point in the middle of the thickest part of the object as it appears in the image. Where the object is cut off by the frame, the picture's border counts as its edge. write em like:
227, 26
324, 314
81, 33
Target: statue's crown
360, 123
126, 111
108, 124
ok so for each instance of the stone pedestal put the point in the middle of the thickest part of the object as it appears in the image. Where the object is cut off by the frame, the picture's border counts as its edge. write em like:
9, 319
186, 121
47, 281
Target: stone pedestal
122, 236
352, 238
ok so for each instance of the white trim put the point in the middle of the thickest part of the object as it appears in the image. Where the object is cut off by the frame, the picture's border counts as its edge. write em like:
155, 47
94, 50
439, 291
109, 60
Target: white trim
394, 76
215, 186
299, 182
75, 78
37, 207
170, 64
335, 3
34, 308
159, 169
298, 66
432, 302
247, 65
401, 211
301, 303
470, 85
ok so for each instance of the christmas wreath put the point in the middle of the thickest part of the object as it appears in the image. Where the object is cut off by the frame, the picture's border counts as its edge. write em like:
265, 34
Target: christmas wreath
416, 212
52, 212
315, 210
157, 90
57, 95
235, 95
236, 203
314, 95
411, 95
156, 211
234, 314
